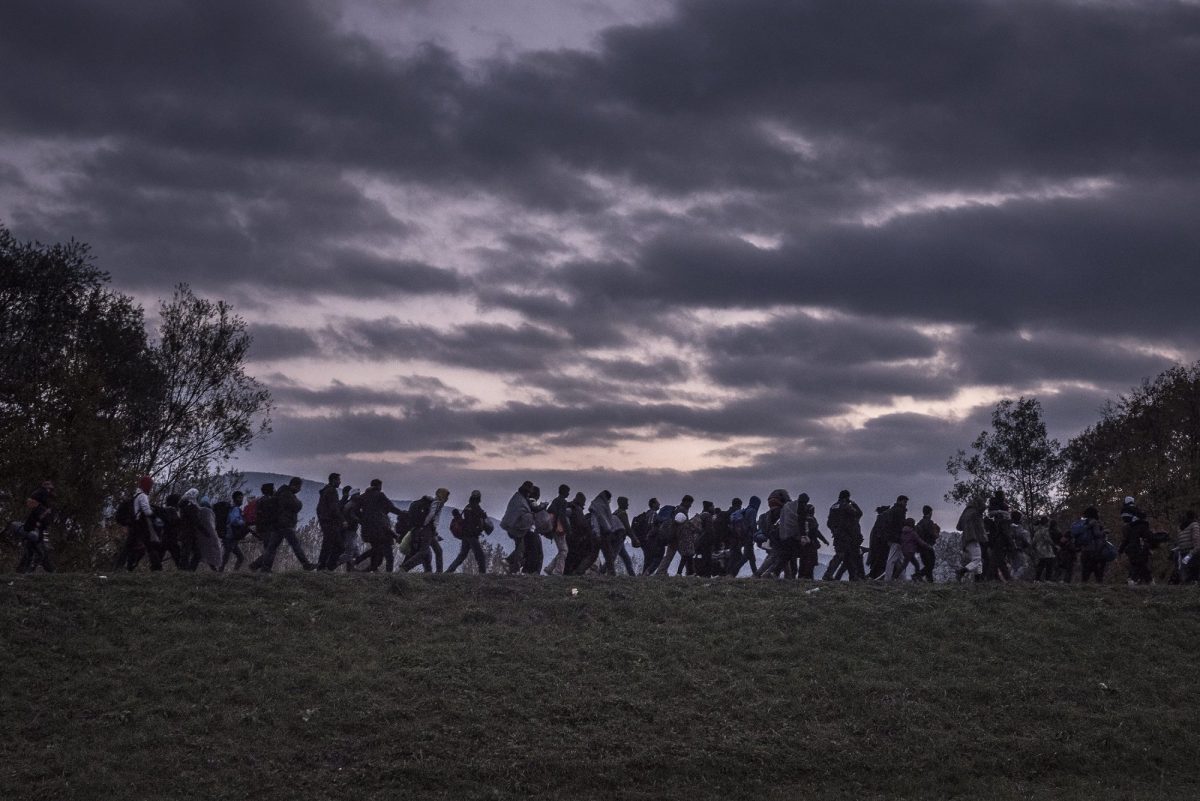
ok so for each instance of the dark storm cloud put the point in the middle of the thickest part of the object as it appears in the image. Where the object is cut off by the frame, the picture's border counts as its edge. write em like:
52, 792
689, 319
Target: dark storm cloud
273, 342
930, 92
1122, 263
836, 341
482, 346
1005, 358
224, 143
220, 223
324, 437
412, 394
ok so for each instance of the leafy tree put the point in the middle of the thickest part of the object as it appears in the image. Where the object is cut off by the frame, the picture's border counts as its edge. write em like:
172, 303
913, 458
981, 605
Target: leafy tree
1146, 444
207, 407
73, 370
1017, 455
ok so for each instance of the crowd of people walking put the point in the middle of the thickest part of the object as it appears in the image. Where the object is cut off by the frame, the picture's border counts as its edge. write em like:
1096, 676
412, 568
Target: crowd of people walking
568, 535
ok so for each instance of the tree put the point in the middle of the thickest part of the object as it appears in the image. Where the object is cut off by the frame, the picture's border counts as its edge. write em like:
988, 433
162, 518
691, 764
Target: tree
1017, 456
1146, 444
207, 407
72, 357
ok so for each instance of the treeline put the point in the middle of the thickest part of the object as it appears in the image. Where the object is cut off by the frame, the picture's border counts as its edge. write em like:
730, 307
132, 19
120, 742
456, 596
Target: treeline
1146, 445
93, 398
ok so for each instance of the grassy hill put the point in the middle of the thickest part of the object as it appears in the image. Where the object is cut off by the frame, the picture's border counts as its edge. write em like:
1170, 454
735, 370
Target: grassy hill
356, 687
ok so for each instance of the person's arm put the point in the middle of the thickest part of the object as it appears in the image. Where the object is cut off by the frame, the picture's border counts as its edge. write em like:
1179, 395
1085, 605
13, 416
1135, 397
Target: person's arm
235, 520
435, 511
141, 507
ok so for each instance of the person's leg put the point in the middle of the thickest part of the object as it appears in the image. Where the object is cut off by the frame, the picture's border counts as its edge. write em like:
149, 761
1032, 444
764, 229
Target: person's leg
972, 561
664, 564
330, 546
770, 564
532, 562
928, 561
653, 555
854, 563
737, 558
477, 550
420, 556
27, 554
609, 565
436, 547
130, 550
293, 541
834, 564
463, 550
555, 568
894, 559
43, 554
516, 558
1000, 562
376, 553
623, 555
267, 560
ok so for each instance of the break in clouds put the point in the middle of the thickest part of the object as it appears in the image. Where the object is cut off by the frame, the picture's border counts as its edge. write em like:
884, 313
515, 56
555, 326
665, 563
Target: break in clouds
709, 246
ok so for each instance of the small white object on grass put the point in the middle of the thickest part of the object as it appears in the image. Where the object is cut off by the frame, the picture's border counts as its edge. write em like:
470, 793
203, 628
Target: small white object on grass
574, 591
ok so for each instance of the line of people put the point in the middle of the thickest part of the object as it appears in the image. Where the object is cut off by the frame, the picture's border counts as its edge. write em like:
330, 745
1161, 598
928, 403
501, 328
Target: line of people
997, 545
364, 530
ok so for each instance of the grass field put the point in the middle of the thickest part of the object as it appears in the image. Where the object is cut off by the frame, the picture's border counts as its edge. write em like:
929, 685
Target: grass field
301, 686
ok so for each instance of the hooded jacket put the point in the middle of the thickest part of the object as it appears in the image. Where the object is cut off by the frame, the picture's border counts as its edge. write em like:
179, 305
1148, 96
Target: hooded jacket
329, 507
789, 521
603, 522
518, 517
970, 523
287, 507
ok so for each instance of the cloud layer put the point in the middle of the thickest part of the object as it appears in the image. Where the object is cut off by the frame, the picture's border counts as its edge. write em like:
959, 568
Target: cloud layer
710, 246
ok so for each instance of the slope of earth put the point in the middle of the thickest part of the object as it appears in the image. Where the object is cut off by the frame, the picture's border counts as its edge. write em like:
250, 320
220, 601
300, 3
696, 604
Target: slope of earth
302, 686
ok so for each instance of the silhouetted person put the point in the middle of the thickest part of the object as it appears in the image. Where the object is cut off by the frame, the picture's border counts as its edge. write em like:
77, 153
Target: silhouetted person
474, 524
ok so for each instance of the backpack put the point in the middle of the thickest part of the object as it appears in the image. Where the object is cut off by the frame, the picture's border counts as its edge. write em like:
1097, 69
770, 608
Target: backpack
474, 521
221, 511
457, 526
1081, 532
1104, 549
640, 526
266, 510
250, 512
418, 511
124, 514
722, 526
543, 523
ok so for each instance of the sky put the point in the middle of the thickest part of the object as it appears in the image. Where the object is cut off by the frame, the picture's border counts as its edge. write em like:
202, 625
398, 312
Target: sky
652, 247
